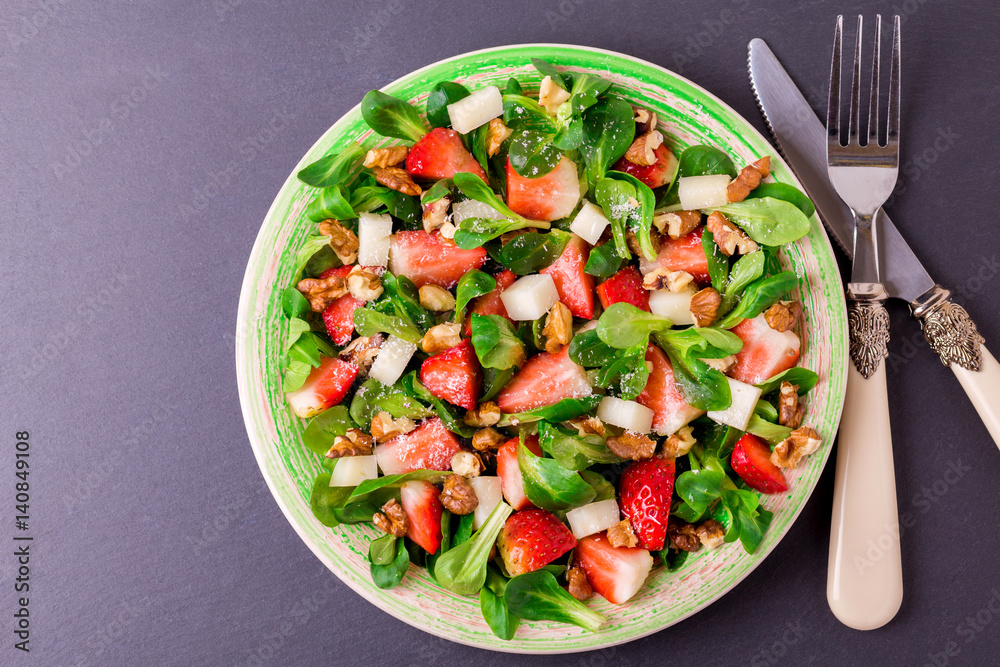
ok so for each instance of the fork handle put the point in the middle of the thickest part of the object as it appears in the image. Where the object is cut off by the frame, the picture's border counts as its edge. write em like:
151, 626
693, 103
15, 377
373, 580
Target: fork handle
865, 576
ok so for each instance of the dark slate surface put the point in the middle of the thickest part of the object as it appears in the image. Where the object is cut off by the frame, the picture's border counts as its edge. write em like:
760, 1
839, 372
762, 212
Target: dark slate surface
142, 145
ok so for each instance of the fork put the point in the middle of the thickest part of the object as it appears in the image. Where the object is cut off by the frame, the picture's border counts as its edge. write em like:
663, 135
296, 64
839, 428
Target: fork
865, 580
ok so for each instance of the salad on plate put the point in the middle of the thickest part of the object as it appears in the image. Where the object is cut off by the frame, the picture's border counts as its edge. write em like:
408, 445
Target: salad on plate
540, 350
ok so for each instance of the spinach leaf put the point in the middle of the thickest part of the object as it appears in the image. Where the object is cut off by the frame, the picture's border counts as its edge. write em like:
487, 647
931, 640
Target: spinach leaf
294, 376
704, 160
564, 410
513, 87
587, 349
773, 433
494, 380
604, 261
701, 385
523, 113
463, 532
480, 150
546, 68
585, 92
529, 253
491, 603
785, 192
604, 489
445, 542
391, 116
332, 203
747, 269
638, 218
571, 450
404, 298
439, 190
768, 221
532, 154
495, 342
382, 550
406, 208
389, 575
766, 410
324, 499
472, 284
608, 131
293, 303
363, 405
623, 325
699, 489
720, 343
324, 427
368, 322
570, 136
368, 488
803, 377
758, 297
673, 559
312, 246
462, 569
718, 264
749, 521
296, 328
616, 197
550, 486
538, 596
334, 168
441, 95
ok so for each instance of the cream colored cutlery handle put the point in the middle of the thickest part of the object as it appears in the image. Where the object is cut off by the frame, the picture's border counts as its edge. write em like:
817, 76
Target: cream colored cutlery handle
983, 388
865, 577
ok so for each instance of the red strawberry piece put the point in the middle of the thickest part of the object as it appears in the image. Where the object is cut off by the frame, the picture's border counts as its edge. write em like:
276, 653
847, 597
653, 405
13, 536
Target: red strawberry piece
425, 260
625, 286
576, 288
752, 462
549, 197
670, 411
531, 539
644, 496
423, 510
490, 304
339, 315
616, 573
325, 387
509, 472
429, 446
655, 175
544, 379
765, 352
685, 254
441, 154
454, 375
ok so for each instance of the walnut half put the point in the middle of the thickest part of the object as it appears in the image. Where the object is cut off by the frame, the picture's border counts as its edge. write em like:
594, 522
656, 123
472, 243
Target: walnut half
441, 337
362, 351
711, 534
398, 179
801, 442
643, 148
558, 329
385, 428
392, 519
486, 414
363, 284
783, 315
353, 443
496, 134
321, 292
622, 535
435, 214
389, 156
728, 236
683, 535
749, 178
705, 306
578, 586
458, 496
790, 409
343, 241
677, 223
679, 443
632, 446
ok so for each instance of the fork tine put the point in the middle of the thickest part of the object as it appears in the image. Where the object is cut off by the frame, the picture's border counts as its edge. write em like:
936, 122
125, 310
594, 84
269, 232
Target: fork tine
855, 118
833, 105
892, 133
873, 129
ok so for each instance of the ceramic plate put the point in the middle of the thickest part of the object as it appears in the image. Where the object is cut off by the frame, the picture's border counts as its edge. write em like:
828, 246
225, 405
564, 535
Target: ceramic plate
691, 115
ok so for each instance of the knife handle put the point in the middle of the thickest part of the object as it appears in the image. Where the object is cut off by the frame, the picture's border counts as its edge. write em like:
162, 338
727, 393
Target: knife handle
865, 576
954, 336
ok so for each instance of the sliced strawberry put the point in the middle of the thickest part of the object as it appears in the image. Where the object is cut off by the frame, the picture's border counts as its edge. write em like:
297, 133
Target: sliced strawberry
625, 286
644, 497
423, 511
616, 573
509, 472
425, 260
490, 304
454, 375
531, 539
544, 379
752, 462
655, 175
685, 254
670, 411
576, 288
325, 387
549, 197
441, 154
765, 352
429, 446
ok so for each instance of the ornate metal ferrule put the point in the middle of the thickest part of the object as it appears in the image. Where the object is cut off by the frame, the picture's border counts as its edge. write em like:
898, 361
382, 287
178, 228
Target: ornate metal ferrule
868, 323
949, 329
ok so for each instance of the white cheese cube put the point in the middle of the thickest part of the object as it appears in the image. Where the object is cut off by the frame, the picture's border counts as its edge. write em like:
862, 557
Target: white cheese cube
589, 223
391, 360
352, 470
738, 413
374, 235
674, 305
628, 415
698, 192
530, 297
470, 208
593, 518
477, 109
488, 491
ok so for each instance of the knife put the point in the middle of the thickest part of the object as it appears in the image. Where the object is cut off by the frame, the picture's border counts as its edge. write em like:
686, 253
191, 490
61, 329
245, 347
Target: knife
949, 330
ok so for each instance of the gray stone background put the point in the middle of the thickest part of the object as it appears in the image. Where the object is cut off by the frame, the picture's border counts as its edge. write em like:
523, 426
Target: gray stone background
124, 241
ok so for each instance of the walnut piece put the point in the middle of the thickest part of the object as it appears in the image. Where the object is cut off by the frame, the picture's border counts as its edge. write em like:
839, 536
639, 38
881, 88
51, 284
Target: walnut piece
622, 535
642, 151
436, 298
389, 156
588, 426
488, 438
722, 365
679, 443
363, 284
446, 234
353, 443
466, 464
578, 586
783, 315
801, 442
343, 241
728, 236
705, 306
660, 278
496, 134
486, 414
384, 427
362, 351
558, 329
392, 519
645, 120
458, 496
441, 337
632, 446
790, 408
677, 223
398, 179
551, 96
749, 178
435, 214
711, 534
683, 535
633, 241
321, 292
